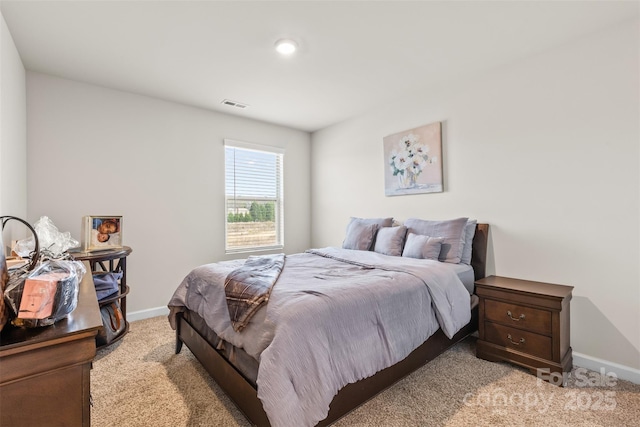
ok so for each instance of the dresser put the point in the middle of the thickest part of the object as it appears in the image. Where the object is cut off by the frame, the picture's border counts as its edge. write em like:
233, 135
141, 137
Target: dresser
44, 379
525, 323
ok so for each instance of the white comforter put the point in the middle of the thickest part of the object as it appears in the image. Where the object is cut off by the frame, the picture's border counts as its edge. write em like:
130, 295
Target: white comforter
335, 316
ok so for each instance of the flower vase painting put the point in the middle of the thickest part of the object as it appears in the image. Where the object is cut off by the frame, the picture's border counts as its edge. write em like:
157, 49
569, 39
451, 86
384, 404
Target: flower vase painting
413, 161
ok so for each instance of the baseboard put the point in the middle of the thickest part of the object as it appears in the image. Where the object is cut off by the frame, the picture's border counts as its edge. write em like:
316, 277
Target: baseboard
595, 364
132, 316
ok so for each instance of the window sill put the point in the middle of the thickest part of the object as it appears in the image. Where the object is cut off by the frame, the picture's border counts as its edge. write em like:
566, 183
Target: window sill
251, 250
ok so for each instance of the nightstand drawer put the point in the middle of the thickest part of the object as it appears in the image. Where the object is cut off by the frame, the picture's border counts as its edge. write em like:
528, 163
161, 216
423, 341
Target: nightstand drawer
517, 339
517, 316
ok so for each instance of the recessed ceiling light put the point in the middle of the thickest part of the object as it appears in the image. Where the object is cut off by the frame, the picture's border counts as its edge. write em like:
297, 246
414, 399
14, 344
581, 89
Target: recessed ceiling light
286, 46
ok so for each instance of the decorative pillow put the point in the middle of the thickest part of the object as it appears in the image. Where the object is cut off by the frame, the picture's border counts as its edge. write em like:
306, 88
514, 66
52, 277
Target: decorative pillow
451, 230
360, 236
422, 247
389, 240
380, 222
467, 241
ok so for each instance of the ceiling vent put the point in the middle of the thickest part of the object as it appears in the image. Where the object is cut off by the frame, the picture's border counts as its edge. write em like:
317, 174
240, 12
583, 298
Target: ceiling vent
236, 104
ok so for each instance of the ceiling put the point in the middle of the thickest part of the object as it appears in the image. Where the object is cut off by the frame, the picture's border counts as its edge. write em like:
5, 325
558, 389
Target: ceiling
353, 55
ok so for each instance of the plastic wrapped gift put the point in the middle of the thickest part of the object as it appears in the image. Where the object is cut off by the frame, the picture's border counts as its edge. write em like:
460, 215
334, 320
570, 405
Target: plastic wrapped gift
55, 242
45, 295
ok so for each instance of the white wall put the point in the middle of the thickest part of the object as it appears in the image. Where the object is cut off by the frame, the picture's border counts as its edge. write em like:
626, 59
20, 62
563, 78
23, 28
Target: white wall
13, 134
546, 151
97, 151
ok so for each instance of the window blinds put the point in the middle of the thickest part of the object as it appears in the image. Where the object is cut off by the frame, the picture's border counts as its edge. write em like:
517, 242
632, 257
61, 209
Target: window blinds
253, 193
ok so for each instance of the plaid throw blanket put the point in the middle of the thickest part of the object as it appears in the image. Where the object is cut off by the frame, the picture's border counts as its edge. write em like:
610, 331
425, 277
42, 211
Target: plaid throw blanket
247, 288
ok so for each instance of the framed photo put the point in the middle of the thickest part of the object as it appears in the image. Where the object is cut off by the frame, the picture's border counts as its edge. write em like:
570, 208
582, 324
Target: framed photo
101, 232
413, 161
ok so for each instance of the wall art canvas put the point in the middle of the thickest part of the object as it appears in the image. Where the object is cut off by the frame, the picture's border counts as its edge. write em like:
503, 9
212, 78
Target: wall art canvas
413, 161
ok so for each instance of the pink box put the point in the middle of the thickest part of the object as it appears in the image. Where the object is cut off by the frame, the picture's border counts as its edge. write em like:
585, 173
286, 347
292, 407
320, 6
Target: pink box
38, 296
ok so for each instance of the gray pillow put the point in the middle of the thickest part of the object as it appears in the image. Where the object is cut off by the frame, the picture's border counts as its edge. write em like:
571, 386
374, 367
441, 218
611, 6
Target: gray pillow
389, 240
422, 247
380, 222
467, 241
360, 236
451, 230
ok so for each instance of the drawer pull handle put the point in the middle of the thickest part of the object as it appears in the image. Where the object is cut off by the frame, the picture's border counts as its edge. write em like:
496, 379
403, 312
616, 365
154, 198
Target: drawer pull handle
513, 342
514, 318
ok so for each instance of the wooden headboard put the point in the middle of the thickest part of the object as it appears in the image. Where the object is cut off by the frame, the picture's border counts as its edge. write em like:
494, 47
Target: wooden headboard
479, 251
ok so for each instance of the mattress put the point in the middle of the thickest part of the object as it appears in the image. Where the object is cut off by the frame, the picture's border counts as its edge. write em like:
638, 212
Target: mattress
243, 362
466, 275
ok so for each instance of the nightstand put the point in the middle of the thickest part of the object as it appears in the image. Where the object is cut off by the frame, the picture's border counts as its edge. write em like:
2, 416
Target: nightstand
525, 323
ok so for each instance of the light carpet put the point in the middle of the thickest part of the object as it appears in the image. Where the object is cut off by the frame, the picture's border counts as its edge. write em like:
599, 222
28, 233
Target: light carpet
139, 381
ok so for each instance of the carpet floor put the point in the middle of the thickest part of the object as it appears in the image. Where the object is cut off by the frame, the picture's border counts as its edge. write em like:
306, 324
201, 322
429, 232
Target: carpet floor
139, 381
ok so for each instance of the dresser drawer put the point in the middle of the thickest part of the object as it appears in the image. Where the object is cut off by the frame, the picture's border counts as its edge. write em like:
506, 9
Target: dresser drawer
517, 339
518, 316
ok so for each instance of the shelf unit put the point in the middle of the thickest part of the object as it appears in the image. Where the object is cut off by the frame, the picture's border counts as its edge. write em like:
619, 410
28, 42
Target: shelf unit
110, 260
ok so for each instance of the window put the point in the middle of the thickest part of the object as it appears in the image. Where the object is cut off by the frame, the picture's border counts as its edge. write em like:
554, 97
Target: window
253, 193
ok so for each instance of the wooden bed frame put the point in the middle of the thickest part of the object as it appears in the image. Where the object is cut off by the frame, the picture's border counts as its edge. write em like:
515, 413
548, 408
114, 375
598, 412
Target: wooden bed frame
245, 396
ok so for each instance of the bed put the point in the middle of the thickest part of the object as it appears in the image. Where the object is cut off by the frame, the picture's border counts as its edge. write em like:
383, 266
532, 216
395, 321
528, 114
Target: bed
248, 370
